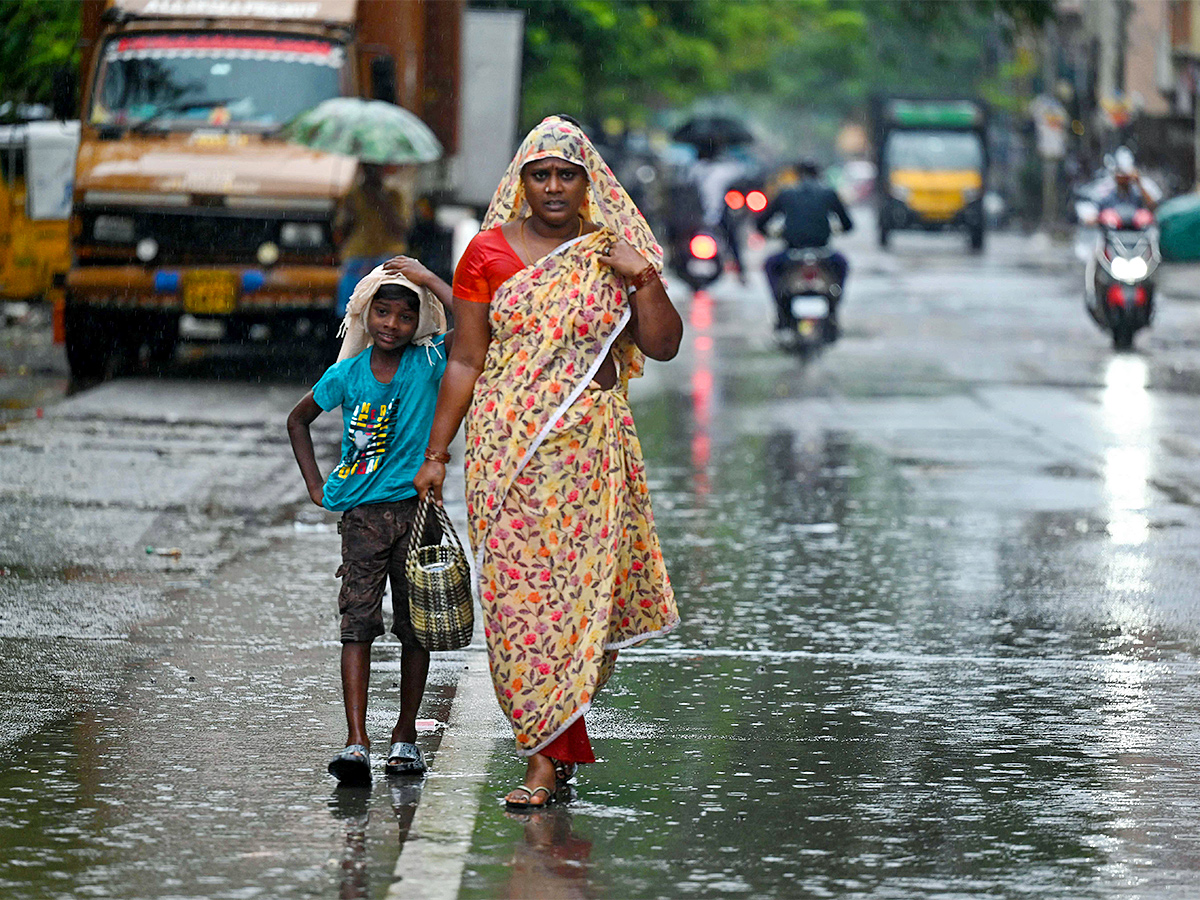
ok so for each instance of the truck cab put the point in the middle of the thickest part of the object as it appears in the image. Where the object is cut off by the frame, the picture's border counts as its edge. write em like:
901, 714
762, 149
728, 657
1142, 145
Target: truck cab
36, 173
187, 201
932, 166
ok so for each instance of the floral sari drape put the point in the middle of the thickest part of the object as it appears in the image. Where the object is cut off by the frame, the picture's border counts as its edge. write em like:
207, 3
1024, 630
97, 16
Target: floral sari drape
569, 564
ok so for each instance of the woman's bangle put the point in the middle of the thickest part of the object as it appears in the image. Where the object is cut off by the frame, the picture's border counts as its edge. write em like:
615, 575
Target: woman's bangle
644, 277
435, 456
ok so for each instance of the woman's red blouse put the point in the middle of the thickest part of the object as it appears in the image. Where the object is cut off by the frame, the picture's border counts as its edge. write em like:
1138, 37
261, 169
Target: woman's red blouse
487, 263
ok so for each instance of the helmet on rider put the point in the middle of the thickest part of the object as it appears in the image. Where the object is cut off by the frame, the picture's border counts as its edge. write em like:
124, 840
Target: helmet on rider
1124, 168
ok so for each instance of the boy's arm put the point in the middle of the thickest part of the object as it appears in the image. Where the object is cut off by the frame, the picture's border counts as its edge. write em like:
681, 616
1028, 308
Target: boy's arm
416, 272
301, 416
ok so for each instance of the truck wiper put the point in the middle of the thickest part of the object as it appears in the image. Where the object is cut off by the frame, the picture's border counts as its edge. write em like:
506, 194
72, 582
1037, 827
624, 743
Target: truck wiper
180, 106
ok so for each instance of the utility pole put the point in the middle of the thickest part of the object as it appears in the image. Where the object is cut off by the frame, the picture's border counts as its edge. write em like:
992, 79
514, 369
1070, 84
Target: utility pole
1049, 159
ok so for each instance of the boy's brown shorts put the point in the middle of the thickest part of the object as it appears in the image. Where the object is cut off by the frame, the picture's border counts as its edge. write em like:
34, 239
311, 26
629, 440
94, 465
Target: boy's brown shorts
375, 546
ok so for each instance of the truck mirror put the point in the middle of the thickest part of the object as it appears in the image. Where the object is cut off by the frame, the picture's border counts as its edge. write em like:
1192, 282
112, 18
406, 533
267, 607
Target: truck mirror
64, 90
383, 78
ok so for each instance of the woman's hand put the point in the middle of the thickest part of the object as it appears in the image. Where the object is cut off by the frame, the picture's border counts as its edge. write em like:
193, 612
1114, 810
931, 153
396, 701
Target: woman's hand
430, 476
623, 257
411, 269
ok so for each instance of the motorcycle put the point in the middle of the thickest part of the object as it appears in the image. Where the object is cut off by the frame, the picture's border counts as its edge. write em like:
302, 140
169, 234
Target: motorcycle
1120, 280
697, 258
809, 289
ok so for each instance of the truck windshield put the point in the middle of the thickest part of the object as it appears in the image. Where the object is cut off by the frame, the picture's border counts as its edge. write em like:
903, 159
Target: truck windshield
934, 151
186, 80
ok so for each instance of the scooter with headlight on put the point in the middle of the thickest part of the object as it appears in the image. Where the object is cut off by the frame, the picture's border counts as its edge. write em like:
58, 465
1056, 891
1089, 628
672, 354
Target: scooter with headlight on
1120, 280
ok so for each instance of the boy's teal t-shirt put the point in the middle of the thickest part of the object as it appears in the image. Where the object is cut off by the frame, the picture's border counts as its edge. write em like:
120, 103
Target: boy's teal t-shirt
385, 426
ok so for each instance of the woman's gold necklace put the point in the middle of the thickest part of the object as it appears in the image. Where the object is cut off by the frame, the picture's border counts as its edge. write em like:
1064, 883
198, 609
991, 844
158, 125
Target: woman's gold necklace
524, 246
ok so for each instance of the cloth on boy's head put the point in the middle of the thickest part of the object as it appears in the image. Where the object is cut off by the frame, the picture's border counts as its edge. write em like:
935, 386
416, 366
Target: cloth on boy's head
431, 319
608, 203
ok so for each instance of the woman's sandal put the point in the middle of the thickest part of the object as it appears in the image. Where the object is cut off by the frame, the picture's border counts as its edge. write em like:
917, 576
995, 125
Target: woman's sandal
352, 765
563, 773
528, 804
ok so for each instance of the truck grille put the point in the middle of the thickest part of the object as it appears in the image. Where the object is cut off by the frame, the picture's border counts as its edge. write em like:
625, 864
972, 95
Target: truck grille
204, 237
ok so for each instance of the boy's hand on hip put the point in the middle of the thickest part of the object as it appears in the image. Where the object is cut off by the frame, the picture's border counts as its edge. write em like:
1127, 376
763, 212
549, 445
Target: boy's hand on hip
317, 495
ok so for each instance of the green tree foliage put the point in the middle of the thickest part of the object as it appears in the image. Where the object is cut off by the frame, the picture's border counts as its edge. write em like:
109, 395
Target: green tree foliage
630, 57
36, 38
624, 57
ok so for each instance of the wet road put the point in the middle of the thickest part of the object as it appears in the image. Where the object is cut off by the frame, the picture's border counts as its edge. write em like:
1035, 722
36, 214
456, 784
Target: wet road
941, 631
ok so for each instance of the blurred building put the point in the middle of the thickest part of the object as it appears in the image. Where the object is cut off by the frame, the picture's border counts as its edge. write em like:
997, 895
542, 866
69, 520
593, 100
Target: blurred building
1126, 70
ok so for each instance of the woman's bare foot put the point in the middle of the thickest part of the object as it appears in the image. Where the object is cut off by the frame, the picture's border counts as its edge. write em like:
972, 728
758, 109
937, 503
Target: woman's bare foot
539, 773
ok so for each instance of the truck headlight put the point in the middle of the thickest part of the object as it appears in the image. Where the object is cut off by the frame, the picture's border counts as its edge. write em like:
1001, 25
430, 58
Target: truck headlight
147, 249
302, 234
267, 254
900, 192
117, 229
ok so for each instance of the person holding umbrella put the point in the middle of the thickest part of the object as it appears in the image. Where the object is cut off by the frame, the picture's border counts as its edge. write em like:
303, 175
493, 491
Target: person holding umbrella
374, 220
380, 136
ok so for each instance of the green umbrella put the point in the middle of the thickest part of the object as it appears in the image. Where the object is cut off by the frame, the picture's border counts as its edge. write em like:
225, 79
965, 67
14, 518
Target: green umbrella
372, 130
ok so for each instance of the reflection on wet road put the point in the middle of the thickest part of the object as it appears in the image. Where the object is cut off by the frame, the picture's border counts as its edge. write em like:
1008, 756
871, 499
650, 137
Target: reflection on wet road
940, 632
940, 639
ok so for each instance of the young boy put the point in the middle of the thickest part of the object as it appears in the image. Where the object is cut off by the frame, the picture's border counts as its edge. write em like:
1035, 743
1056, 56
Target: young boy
387, 393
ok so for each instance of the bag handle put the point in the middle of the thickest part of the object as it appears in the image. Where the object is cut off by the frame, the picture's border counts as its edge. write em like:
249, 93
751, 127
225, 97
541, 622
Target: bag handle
439, 511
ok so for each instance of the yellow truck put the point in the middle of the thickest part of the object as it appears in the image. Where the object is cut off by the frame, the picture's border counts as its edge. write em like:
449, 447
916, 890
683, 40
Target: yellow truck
932, 161
187, 201
37, 168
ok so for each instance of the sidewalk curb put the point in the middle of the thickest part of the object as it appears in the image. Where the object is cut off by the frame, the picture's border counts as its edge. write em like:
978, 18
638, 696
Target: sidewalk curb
435, 852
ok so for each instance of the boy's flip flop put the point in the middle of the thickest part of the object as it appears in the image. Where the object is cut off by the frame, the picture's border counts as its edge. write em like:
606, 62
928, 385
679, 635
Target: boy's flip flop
352, 765
404, 758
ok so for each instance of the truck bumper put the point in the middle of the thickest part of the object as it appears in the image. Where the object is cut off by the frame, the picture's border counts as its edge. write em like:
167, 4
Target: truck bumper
255, 292
901, 215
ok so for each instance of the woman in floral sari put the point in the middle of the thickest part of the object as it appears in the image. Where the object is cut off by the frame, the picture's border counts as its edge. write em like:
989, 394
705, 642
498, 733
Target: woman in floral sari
557, 302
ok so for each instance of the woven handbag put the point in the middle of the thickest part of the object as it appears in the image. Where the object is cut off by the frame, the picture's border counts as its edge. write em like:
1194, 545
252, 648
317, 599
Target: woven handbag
439, 584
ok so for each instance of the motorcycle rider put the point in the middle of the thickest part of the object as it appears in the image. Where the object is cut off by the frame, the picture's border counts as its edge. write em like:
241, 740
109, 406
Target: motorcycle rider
806, 208
1129, 187
713, 173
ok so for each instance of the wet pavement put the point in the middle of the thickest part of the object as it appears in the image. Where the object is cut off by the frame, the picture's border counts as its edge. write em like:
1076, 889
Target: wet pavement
941, 632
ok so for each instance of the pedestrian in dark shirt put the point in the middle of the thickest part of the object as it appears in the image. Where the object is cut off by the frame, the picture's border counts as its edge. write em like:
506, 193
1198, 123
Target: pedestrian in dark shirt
806, 208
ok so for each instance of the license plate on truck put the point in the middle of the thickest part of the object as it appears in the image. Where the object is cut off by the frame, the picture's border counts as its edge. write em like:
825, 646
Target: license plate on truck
209, 293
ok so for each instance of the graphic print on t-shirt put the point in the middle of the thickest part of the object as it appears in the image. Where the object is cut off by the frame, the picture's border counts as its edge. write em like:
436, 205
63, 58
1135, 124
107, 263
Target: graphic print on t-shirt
371, 429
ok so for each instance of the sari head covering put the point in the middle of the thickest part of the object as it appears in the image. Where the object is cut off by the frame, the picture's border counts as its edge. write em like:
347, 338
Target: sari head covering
608, 203
568, 563
431, 318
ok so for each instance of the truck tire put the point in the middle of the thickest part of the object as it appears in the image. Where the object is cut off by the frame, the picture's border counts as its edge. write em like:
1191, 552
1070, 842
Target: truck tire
89, 341
162, 339
977, 239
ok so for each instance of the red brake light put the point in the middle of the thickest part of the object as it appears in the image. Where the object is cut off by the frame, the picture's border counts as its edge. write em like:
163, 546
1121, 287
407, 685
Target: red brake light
1109, 218
703, 246
756, 200
734, 199
1143, 218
